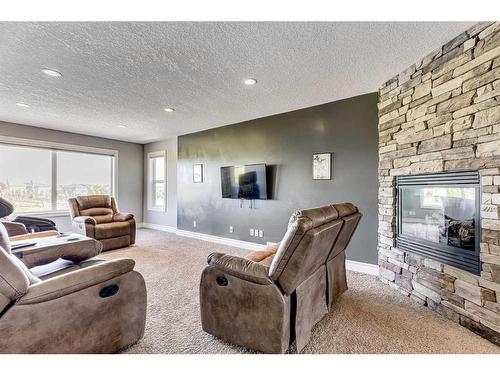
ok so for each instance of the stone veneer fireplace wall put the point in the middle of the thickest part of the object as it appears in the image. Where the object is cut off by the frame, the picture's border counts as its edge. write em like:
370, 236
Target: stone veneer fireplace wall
442, 114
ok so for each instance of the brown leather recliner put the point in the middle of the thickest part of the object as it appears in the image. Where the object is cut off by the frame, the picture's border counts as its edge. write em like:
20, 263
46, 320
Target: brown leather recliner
97, 216
84, 306
23, 225
272, 297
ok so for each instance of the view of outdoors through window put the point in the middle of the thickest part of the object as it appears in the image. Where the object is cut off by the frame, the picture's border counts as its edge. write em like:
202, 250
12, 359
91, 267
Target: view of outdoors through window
82, 174
27, 177
157, 183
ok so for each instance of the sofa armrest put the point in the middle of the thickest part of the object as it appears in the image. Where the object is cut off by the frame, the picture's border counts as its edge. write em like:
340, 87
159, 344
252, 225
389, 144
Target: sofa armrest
48, 250
71, 282
13, 279
240, 267
14, 229
30, 221
122, 216
30, 236
85, 219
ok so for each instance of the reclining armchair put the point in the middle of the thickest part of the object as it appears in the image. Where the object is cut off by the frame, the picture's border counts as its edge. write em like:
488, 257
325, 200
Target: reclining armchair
97, 216
270, 298
23, 224
73, 305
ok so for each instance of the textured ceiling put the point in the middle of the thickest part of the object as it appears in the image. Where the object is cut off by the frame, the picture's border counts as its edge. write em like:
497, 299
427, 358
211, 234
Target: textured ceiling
125, 73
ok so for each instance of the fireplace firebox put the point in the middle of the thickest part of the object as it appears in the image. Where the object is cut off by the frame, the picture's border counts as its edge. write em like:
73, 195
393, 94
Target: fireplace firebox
438, 217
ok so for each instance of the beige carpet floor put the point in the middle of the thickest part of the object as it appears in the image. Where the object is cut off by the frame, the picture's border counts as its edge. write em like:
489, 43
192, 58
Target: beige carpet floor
369, 318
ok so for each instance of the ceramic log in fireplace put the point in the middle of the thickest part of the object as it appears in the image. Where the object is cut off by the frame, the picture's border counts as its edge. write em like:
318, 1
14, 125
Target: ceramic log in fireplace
438, 217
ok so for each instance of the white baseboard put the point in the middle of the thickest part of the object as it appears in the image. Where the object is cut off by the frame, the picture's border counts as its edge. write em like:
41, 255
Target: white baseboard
204, 237
371, 269
222, 240
163, 228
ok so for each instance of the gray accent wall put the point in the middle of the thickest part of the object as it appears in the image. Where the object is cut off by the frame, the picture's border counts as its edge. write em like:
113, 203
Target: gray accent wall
168, 217
285, 142
130, 163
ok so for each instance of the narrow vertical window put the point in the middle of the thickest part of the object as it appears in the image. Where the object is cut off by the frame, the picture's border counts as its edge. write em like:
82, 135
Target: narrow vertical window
157, 181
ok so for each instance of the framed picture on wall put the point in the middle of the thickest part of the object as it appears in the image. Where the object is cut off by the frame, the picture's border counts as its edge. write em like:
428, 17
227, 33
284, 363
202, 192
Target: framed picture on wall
322, 166
197, 173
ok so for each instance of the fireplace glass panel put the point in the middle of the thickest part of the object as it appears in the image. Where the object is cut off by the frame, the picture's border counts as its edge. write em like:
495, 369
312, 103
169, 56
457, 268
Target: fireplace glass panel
441, 215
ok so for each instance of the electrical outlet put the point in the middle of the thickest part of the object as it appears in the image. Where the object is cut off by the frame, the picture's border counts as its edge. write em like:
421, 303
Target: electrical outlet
194, 223
256, 232
261, 233
231, 229
251, 232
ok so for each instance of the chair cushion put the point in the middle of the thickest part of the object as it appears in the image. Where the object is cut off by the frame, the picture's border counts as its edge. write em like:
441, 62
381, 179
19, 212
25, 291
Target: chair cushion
110, 230
91, 201
103, 219
313, 217
259, 255
267, 261
96, 211
345, 209
264, 256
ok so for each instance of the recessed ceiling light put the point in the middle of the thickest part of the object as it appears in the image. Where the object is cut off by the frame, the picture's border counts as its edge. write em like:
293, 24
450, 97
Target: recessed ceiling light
169, 109
52, 73
121, 126
22, 105
250, 81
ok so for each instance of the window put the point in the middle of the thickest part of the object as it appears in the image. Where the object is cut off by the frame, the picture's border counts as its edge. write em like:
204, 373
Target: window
82, 174
156, 181
40, 180
25, 178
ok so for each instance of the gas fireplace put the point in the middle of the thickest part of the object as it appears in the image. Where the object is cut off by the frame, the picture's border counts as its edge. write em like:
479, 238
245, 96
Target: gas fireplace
438, 217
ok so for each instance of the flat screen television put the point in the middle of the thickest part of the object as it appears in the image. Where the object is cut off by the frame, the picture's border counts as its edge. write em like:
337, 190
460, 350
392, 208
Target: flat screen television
244, 182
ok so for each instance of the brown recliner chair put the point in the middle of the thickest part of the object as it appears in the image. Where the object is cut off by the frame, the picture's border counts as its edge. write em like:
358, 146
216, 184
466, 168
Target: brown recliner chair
81, 306
270, 298
23, 225
97, 216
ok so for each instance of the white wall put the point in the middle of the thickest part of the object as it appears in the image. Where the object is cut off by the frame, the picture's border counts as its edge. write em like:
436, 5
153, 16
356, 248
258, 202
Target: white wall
169, 217
130, 163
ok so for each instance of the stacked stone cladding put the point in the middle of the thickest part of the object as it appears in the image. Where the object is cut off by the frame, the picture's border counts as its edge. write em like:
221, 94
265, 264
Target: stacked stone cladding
443, 114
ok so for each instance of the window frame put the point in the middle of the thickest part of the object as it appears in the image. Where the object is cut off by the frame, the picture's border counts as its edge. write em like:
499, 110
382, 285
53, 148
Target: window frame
151, 182
54, 147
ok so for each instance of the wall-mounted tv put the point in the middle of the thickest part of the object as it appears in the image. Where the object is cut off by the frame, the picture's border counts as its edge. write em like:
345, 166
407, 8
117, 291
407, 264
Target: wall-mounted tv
244, 182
